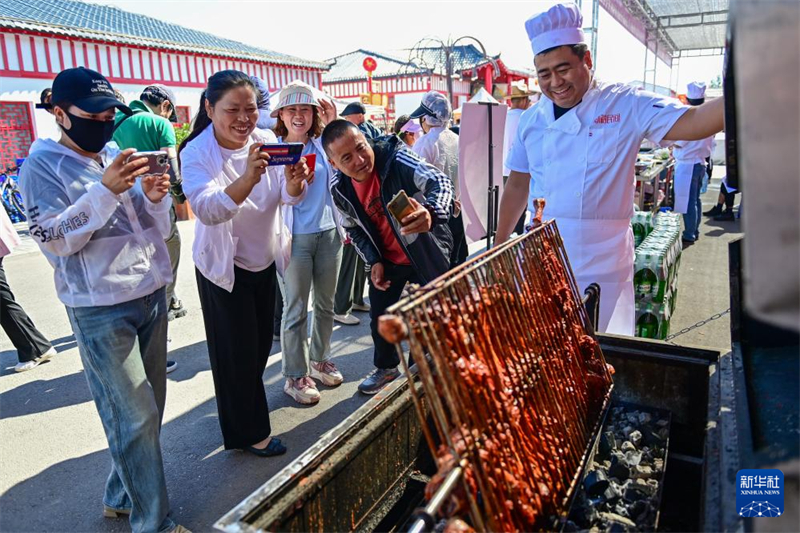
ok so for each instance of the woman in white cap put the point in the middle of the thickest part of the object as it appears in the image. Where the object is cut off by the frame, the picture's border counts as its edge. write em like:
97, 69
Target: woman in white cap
240, 241
690, 167
316, 253
578, 147
439, 147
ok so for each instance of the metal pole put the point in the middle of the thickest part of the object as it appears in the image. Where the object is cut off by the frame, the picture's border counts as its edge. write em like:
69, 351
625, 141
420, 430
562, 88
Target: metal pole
449, 69
490, 226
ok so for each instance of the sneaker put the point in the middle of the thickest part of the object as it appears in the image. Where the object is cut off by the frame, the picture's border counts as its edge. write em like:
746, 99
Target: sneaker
379, 378
171, 365
726, 216
176, 310
113, 512
361, 307
327, 373
347, 320
28, 365
302, 390
714, 211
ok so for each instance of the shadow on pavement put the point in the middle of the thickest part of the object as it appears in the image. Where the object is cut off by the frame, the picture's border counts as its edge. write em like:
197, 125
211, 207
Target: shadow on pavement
204, 481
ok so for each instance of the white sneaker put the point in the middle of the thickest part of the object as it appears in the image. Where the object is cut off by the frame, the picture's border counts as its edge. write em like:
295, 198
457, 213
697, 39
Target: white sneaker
302, 390
347, 320
361, 307
327, 373
28, 365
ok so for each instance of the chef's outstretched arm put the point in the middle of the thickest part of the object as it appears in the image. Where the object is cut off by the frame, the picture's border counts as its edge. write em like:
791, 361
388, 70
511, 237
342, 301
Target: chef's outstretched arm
699, 122
512, 204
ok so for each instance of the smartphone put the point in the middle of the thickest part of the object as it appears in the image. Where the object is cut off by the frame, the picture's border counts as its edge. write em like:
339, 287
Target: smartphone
399, 206
283, 153
311, 161
157, 161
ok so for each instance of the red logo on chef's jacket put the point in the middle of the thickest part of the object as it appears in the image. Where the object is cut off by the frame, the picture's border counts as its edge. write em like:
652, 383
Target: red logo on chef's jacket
608, 119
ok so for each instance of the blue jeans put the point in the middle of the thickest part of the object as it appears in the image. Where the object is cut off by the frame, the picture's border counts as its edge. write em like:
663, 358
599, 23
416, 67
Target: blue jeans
123, 348
694, 210
315, 262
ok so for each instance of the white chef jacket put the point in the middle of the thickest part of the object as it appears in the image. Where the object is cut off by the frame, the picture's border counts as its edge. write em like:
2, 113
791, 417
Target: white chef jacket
510, 134
688, 154
583, 165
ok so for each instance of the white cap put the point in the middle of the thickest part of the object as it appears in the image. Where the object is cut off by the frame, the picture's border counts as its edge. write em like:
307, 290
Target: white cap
696, 90
560, 25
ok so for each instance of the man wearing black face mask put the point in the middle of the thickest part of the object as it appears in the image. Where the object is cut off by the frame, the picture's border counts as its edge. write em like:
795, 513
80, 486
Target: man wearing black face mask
150, 128
101, 220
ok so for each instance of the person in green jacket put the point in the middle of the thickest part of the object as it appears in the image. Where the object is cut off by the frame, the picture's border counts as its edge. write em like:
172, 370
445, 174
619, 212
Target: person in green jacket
150, 128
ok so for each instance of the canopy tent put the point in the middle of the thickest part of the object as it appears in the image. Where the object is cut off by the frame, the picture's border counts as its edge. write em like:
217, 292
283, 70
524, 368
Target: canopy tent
669, 29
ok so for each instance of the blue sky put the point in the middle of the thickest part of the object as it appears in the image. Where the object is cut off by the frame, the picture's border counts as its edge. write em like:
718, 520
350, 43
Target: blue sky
319, 30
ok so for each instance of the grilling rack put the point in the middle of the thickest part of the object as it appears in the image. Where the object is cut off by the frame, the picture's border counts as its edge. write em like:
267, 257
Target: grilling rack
516, 385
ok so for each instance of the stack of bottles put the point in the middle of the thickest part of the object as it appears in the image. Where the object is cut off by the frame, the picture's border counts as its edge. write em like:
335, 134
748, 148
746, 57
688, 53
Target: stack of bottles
655, 280
642, 224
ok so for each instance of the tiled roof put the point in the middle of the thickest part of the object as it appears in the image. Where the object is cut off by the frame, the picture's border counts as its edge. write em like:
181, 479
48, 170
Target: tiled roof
90, 21
463, 57
349, 67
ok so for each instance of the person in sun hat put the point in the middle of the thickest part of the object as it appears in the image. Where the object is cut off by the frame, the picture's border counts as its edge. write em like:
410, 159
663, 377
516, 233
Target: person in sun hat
439, 147
690, 168
577, 147
101, 221
316, 253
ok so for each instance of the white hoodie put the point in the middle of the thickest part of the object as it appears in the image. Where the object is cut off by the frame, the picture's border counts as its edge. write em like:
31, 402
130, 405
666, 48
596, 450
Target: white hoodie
105, 248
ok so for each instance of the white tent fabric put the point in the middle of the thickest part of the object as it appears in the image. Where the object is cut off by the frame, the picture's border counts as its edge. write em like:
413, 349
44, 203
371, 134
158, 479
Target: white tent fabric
483, 96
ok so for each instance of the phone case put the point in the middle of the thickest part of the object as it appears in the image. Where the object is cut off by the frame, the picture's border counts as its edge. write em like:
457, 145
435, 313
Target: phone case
400, 207
283, 153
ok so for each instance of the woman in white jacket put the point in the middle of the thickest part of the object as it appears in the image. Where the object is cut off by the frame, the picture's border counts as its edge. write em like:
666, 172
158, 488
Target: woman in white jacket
316, 253
101, 222
240, 239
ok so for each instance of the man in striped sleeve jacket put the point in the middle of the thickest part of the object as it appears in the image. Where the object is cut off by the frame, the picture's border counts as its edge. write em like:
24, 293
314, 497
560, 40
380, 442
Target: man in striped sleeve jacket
415, 249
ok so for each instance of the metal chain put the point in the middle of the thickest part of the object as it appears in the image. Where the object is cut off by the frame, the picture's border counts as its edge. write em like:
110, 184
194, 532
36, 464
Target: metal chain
699, 324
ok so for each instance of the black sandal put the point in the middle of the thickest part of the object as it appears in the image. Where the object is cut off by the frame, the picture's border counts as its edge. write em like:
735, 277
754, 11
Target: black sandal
275, 447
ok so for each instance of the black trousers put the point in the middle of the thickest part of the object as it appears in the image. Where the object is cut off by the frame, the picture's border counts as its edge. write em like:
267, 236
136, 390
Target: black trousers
385, 353
460, 249
239, 333
350, 285
28, 341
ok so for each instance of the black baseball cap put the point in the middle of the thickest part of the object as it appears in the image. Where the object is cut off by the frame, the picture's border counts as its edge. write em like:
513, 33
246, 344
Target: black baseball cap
354, 109
87, 89
422, 111
156, 94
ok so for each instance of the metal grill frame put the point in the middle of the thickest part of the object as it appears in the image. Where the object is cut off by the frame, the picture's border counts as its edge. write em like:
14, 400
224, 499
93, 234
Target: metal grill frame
420, 297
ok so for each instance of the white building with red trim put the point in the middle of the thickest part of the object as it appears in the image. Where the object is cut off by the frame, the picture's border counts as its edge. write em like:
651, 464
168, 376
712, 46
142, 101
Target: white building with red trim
39, 39
403, 82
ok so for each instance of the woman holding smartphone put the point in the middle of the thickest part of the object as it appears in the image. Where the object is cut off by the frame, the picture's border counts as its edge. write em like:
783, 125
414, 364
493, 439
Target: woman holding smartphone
101, 220
316, 253
239, 242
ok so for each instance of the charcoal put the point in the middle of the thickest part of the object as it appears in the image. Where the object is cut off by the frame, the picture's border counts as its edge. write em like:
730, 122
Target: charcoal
607, 443
636, 437
595, 483
627, 446
612, 493
633, 458
571, 527
662, 423
616, 518
619, 468
639, 511
628, 430
642, 472
644, 418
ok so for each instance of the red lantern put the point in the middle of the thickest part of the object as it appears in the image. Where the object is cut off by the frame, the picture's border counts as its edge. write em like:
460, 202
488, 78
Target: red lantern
369, 64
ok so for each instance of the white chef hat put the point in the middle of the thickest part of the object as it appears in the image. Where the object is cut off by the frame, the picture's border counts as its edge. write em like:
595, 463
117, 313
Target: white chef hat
560, 25
696, 90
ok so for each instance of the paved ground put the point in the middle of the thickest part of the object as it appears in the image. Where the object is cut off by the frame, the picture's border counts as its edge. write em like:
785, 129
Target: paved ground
53, 454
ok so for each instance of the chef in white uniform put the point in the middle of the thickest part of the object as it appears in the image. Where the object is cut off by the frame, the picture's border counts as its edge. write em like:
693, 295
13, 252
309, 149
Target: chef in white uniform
690, 169
577, 147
